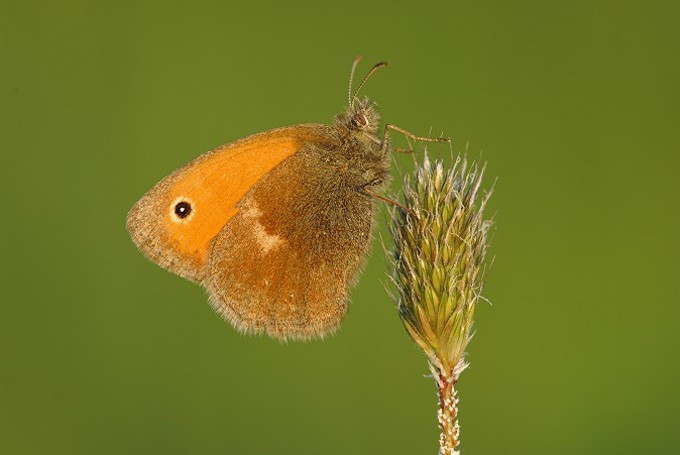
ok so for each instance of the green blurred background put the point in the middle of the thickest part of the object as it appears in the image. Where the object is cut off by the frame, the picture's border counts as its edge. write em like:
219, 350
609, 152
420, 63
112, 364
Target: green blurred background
575, 106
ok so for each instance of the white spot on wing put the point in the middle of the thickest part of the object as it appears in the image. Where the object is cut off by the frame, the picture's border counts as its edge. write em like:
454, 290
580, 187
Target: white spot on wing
251, 211
266, 241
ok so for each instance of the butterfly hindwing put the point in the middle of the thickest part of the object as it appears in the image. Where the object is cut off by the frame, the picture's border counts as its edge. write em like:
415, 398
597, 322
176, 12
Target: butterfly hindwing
283, 263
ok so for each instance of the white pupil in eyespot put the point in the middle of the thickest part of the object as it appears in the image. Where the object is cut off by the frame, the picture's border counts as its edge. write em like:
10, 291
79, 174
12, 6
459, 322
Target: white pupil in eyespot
183, 209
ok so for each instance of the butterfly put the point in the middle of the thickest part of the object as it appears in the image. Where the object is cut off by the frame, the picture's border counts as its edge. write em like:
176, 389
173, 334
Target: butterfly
276, 226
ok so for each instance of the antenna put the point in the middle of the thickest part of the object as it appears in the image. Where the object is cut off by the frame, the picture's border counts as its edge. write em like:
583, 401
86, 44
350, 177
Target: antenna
351, 77
370, 73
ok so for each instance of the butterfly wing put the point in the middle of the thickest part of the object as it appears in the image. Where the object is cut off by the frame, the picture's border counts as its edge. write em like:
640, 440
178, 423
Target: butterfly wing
283, 263
174, 223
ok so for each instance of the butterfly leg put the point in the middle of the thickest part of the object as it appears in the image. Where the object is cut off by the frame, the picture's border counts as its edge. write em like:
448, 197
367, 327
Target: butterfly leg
390, 127
364, 189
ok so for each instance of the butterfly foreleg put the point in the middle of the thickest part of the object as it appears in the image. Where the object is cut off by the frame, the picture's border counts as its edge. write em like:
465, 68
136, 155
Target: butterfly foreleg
365, 190
409, 136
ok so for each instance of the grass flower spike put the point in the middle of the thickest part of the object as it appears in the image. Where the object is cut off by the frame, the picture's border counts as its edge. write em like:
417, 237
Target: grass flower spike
439, 271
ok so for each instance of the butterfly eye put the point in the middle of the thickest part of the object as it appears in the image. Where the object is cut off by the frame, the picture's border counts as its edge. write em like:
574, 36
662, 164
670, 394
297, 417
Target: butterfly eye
182, 209
359, 120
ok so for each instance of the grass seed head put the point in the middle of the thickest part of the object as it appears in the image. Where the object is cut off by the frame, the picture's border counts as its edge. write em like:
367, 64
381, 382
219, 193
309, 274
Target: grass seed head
438, 258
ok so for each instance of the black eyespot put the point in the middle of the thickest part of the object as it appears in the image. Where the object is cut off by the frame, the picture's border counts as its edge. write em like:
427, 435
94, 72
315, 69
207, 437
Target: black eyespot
183, 209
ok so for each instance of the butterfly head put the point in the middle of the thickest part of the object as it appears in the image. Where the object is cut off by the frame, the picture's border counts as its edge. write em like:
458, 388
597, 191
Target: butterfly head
361, 115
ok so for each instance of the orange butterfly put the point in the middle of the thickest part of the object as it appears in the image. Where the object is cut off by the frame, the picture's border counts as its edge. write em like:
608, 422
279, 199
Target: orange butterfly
277, 225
